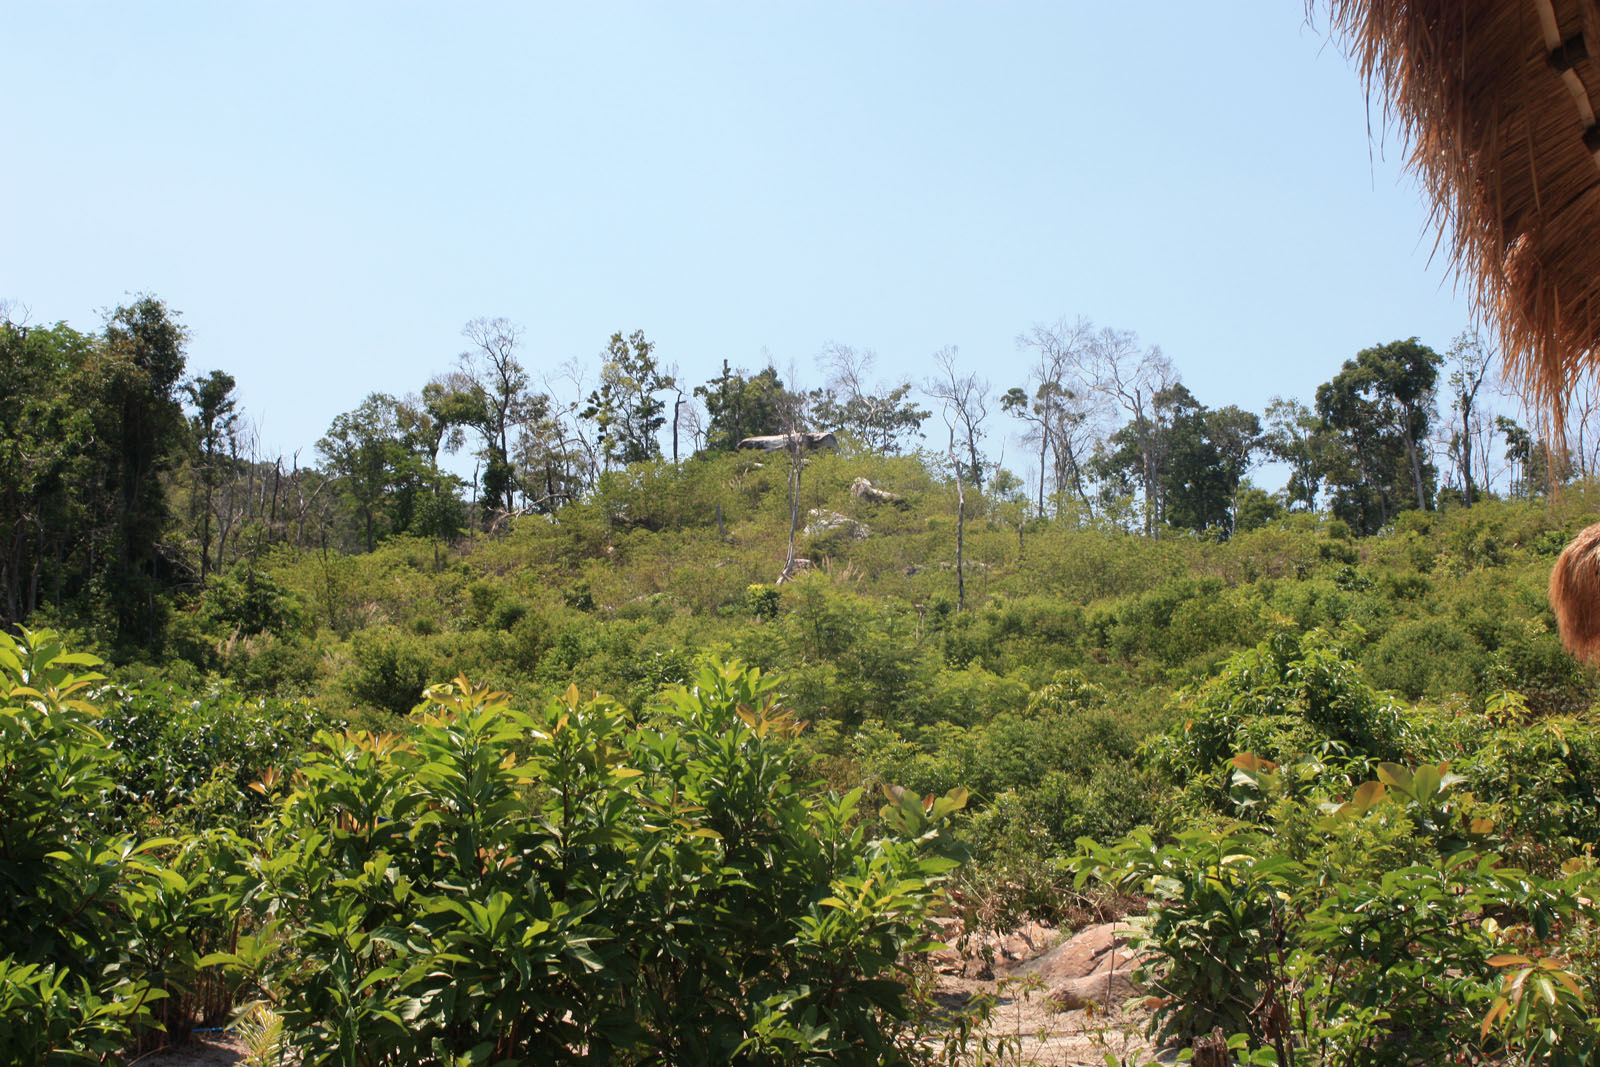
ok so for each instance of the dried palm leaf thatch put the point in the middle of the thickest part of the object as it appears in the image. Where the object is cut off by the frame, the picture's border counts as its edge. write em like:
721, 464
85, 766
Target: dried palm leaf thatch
1575, 594
1493, 98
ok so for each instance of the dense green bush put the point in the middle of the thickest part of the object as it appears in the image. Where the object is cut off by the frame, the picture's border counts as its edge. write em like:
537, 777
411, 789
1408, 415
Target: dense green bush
102, 935
570, 883
180, 760
1426, 657
390, 668
1375, 933
1292, 695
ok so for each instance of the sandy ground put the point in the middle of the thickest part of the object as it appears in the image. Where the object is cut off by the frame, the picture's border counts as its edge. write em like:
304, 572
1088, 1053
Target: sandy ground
213, 1050
1048, 1038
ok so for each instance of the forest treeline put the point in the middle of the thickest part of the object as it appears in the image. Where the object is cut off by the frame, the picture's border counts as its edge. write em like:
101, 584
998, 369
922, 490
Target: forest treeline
128, 479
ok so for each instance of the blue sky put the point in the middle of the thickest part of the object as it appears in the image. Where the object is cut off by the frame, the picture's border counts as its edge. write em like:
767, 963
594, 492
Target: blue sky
328, 192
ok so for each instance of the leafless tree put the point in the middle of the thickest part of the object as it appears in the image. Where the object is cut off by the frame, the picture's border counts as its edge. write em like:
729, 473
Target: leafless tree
15, 314
878, 413
1065, 413
965, 405
235, 504
794, 421
575, 374
1131, 378
694, 422
1054, 403
1469, 361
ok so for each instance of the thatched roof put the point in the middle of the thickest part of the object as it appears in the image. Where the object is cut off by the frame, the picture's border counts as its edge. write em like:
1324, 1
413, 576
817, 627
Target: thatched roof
1497, 101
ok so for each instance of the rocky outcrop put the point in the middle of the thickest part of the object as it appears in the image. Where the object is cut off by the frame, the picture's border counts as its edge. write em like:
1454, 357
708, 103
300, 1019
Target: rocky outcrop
992, 955
1089, 951
832, 524
774, 442
1094, 966
862, 489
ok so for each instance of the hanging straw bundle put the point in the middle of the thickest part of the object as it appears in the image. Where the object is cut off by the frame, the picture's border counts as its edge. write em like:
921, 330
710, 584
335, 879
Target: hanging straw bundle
1494, 99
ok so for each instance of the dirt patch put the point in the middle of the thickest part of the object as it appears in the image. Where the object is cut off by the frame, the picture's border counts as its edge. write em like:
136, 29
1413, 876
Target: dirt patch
212, 1050
1024, 1020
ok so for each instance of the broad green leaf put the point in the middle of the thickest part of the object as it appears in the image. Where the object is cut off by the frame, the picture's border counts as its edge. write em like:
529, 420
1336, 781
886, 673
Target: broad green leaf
1368, 794
1395, 777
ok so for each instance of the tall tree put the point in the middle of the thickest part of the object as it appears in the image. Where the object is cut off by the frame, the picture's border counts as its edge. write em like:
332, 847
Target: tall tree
550, 463
49, 469
1059, 406
144, 362
1294, 436
1206, 456
215, 417
1376, 413
740, 406
1132, 378
1469, 365
429, 503
498, 384
363, 449
1235, 434
625, 408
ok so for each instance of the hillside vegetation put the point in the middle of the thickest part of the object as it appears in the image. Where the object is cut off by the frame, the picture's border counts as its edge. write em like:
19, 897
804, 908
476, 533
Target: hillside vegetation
589, 784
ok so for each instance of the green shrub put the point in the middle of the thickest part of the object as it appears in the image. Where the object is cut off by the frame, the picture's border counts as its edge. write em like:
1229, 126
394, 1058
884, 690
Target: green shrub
53, 1016
248, 600
102, 936
1291, 695
181, 760
1426, 657
569, 883
389, 669
1362, 963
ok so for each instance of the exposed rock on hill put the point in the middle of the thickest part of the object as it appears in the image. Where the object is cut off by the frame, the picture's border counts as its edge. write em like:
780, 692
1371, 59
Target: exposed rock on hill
832, 524
774, 442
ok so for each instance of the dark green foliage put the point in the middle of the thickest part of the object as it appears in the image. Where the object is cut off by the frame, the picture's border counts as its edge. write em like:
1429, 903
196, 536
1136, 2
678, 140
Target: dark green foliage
1376, 413
248, 600
212, 429
88, 427
1341, 907
1426, 657
1175, 621
1363, 929
180, 760
364, 453
740, 406
530, 885
1203, 458
1290, 695
626, 411
390, 668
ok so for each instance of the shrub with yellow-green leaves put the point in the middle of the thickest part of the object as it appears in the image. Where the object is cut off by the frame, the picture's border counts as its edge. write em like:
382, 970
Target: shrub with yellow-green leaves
572, 884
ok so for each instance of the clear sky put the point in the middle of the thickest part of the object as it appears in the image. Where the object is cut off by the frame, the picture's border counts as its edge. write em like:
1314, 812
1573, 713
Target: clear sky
329, 191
